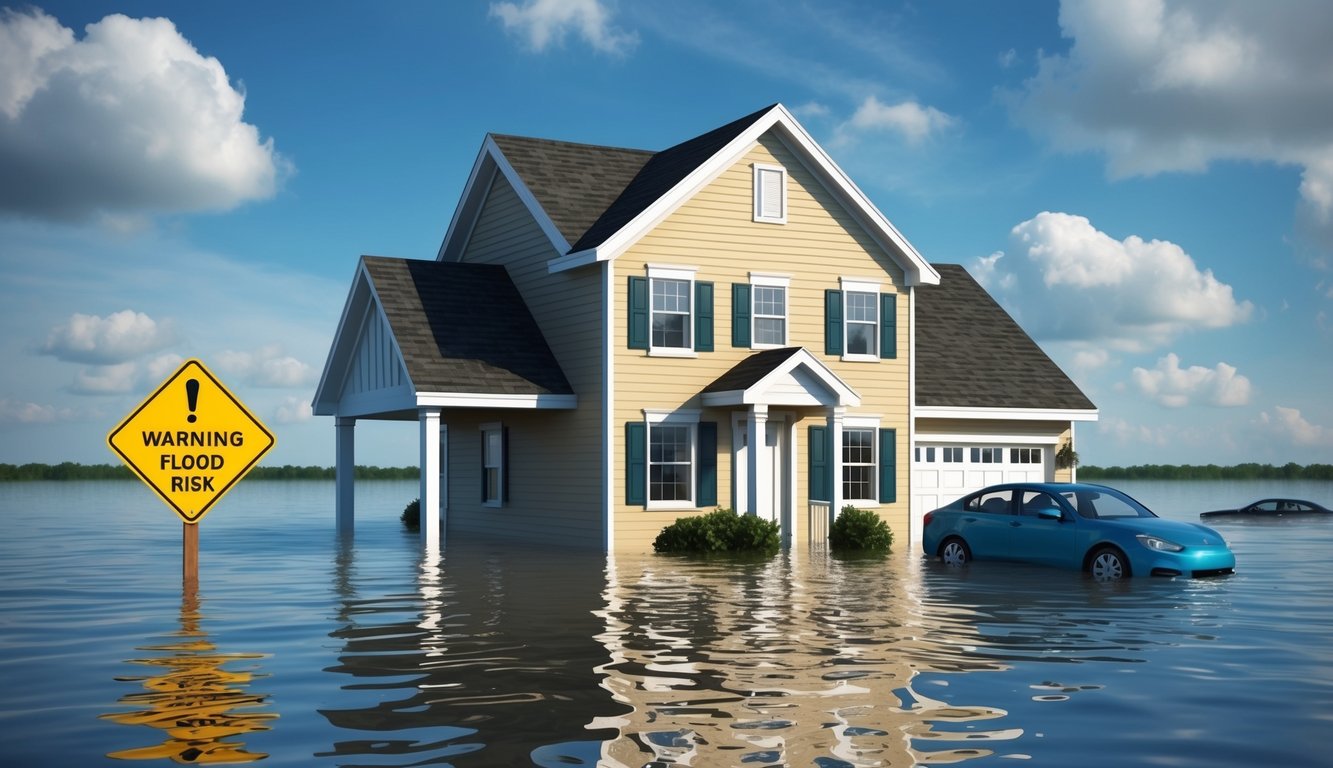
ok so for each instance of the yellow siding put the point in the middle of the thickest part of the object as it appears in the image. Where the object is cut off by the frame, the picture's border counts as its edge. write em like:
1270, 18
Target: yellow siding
554, 455
714, 232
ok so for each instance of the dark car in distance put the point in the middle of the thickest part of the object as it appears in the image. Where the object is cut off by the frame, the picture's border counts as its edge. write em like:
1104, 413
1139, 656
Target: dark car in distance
1272, 508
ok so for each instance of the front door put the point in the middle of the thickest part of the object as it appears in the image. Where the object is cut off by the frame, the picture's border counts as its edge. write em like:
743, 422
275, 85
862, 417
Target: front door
773, 487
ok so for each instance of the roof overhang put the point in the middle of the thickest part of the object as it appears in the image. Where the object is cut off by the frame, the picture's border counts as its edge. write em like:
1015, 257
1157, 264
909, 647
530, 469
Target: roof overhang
1003, 414
799, 380
915, 267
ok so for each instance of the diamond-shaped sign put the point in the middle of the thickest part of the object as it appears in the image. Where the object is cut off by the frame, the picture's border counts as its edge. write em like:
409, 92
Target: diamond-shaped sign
191, 440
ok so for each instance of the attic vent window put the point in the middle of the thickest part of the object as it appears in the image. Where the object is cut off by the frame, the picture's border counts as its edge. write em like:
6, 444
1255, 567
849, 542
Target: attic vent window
770, 194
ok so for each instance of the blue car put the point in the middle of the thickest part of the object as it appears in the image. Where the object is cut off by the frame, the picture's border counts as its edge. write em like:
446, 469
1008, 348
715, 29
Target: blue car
1072, 525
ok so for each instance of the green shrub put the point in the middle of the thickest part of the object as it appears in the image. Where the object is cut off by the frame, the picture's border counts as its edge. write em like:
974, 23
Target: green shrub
721, 530
860, 529
412, 515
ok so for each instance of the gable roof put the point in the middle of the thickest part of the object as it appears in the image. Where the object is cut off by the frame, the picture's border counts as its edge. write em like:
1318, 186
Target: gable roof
555, 180
782, 376
971, 354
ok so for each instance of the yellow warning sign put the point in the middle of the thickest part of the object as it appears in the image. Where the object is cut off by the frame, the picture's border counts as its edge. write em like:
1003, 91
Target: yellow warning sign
191, 440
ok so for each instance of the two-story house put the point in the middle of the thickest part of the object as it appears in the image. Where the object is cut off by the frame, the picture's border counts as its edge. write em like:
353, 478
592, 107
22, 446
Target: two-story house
610, 339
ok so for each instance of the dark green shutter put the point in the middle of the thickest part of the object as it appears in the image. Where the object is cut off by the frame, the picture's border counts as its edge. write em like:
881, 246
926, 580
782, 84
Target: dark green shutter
832, 322
706, 490
703, 317
819, 467
888, 325
888, 465
740, 315
636, 466
638, 313
504, 465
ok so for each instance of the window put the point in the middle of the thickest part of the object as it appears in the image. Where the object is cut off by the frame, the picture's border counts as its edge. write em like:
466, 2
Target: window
494, 453
1024, 455
770, 194
858, 463
770, 315
987, 455
671, 460
953, 454
860, 321
759, 311
670, 313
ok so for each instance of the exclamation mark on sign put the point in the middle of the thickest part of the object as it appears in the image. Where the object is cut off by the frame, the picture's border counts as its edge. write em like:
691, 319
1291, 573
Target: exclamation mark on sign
192, 397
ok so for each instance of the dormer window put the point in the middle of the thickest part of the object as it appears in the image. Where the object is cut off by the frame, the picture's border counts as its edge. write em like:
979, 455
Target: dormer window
770, 194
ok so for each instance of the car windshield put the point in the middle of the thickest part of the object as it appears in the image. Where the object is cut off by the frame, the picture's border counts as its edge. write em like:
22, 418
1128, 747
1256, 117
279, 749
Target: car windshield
1104, 503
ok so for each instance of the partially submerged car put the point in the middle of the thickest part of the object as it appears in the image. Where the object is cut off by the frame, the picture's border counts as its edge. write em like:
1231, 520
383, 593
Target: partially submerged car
1072, 525
1272, 508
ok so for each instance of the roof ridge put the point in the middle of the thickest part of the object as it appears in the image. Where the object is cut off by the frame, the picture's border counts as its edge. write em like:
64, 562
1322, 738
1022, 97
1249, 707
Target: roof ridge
566, 143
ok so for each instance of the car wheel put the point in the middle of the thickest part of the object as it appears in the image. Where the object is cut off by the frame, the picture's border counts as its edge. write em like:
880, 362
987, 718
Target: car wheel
1108, 564
954, 552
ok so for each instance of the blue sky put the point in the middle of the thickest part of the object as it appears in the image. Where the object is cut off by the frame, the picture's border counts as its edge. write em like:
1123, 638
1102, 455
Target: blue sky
1146, 186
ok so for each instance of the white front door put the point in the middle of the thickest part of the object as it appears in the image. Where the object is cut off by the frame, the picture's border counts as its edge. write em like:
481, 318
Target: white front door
774, 486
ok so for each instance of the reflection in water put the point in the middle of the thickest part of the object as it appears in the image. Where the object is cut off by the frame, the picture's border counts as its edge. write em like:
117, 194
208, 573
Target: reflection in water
199, 704
490, 656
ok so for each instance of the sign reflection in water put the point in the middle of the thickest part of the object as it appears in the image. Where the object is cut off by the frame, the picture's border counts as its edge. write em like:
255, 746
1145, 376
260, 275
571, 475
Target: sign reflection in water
200, 705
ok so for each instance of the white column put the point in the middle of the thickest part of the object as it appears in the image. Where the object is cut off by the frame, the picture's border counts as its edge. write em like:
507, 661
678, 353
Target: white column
344, 473
756, 430
429, 419
835, 417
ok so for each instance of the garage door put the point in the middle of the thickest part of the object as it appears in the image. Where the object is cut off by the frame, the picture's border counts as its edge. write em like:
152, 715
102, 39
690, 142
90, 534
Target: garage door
943, 472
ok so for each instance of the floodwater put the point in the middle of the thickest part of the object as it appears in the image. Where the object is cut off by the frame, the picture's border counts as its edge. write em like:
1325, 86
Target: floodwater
300, 649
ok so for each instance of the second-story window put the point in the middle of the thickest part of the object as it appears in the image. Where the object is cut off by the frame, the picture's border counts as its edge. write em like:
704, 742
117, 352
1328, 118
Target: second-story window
862, 323
671, 313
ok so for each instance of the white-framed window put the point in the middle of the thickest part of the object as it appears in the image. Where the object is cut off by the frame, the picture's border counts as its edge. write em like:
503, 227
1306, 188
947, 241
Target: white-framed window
671, 327
493, 468
860, 319
770, 193
860, 460
768, 297
953, 454
987, 455
1024, 455
672, 441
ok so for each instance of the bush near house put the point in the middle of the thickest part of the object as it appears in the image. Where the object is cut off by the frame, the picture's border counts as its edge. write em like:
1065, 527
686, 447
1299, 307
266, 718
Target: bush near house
721, 530
412, 515
860, 529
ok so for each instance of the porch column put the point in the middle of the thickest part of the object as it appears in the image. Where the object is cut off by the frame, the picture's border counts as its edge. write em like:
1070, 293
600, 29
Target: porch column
835, 417
429, 419
344, 473
756, 430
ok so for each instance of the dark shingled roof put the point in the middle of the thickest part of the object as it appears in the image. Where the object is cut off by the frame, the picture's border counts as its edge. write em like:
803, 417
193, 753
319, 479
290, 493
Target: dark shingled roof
464, 328
970, 353
749, 371
574, 183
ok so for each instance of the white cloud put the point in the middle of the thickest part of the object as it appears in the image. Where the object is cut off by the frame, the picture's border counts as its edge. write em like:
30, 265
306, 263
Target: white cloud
1174, 85
1174, 387
1288, 424
116, 338
131, 118
293, 410
268, 366
914, 122
1072, 282
16, 412
545, 23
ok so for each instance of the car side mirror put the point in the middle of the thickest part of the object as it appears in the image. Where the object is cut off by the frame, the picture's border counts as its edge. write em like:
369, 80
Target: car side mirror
1048, 513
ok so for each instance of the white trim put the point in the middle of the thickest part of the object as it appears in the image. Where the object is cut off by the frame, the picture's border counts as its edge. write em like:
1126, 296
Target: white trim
609, 474
758, 172
756, 394
483, 400
1017, 414
915, 267
682, 417
770, 279
676, 273
487, 429
968, 439
860, 284
671, 272
913, 522
673, 416
860, 423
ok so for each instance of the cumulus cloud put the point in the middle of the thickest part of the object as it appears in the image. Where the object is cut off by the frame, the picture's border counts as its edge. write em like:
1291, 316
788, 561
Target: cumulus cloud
133, 377
117, 338
16, 412
1071, 282
1174, 85
293, 410
267, 367
543, 23
1288, 424
914, 122
128, 119
1174, 387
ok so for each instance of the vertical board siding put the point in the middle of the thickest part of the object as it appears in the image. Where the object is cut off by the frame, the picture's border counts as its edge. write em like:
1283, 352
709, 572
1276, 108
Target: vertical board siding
376, 363
715, 232
555, 455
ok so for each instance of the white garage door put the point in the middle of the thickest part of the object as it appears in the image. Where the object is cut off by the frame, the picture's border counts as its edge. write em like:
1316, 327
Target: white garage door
943, 472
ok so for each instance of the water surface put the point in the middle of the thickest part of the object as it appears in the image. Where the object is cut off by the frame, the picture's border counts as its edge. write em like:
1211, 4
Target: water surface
302, 649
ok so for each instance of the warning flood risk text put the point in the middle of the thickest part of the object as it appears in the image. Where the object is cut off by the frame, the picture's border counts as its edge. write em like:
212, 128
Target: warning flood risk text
189, 439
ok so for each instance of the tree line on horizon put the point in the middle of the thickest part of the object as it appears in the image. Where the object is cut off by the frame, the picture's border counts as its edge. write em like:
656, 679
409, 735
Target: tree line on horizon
69, 470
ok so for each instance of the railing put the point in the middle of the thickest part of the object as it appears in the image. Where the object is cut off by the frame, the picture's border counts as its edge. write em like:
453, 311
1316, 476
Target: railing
817, 522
